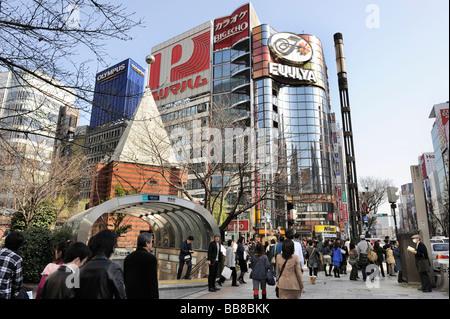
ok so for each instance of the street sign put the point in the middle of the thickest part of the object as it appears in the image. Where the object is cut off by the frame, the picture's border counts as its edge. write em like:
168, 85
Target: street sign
243, 225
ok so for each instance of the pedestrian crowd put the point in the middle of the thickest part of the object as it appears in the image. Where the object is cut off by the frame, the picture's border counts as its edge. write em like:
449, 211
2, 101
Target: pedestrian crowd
82, 271
287, 256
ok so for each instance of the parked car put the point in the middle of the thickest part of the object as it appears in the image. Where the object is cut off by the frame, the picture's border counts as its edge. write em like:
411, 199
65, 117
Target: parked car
439, 251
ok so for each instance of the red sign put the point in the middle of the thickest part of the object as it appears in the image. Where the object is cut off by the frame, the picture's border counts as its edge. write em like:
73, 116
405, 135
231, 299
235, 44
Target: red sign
345, 212
444, 116
182, 65
243, 225
230, 29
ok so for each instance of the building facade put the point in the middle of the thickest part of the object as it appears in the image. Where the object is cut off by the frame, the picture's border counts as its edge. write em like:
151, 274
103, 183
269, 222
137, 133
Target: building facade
118, 90
271, 84
440, 176
36, 118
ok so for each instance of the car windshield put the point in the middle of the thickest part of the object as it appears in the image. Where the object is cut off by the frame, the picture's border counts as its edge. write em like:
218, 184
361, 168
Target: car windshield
440, 247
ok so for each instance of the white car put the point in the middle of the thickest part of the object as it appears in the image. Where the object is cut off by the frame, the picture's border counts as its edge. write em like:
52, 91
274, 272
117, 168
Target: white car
439, 251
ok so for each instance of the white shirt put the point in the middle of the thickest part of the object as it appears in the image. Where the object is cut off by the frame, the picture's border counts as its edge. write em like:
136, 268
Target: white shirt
298, 251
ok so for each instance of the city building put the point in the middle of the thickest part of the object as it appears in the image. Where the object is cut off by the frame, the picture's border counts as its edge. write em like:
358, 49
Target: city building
440, 177
433, 196
118, 91
135, 166
36, 119
247, 75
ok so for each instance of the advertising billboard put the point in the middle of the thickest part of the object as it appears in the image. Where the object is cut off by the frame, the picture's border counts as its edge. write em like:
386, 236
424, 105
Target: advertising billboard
118, 90
230, 29
182, 66
289, 58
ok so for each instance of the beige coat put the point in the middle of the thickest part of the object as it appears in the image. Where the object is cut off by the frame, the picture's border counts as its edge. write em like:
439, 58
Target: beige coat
291, 278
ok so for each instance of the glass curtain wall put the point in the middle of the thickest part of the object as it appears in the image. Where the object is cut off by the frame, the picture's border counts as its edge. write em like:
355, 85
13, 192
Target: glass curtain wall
294, 121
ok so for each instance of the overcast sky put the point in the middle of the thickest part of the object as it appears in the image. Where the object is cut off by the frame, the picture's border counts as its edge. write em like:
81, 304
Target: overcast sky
397, 55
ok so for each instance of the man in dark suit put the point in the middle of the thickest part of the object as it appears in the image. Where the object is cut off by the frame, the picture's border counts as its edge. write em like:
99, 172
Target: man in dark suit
185, 257
140, 270
421, 253
214, 259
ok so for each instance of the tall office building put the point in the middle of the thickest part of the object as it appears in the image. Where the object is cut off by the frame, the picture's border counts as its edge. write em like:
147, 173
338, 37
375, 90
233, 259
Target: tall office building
118, 90
33, 115
243, 74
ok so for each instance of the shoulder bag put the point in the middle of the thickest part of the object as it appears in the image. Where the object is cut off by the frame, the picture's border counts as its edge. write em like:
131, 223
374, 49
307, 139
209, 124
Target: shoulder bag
371, 254
281, 272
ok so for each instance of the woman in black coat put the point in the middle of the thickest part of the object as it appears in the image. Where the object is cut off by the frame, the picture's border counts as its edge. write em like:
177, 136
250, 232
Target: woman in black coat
380, 253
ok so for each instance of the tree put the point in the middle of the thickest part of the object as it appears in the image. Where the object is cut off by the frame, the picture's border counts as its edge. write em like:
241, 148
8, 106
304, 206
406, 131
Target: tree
219, 152
32, 184
45, 37
373, 196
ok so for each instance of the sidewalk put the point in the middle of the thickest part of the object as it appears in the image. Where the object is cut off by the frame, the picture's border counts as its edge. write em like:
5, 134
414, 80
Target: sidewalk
329, 288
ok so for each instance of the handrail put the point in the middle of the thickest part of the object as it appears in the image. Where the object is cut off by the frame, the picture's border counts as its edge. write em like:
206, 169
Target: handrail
196, 269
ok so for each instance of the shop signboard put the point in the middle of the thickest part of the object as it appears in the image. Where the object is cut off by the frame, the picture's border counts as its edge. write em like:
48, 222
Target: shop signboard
230, 29
182, 66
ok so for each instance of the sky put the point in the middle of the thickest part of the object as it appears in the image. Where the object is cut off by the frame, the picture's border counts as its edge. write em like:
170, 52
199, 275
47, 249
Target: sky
397, 57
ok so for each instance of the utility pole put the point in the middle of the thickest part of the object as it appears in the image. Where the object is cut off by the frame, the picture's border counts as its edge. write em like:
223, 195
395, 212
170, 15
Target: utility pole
352, 184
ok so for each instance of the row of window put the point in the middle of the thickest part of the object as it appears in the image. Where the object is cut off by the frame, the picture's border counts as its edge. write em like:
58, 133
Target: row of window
185, 112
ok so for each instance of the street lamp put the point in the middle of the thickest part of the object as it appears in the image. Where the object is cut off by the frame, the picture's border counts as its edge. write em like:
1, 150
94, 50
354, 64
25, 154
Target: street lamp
392, 198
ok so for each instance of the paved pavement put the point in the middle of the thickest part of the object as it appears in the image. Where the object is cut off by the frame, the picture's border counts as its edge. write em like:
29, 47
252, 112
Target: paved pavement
325, 288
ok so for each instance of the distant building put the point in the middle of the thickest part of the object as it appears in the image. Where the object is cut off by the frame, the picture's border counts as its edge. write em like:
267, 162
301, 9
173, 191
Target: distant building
135, 166
118, 90
33, 115
440, 177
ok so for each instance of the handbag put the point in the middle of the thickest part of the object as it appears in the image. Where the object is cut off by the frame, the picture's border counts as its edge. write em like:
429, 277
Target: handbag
270, 278
319, 259
226, 272
371, 254
281, 272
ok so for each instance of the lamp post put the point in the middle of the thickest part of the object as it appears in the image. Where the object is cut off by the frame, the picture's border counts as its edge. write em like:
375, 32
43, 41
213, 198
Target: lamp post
392, 198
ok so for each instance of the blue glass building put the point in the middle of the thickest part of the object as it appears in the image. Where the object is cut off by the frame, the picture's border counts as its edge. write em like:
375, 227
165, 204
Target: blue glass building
118, 91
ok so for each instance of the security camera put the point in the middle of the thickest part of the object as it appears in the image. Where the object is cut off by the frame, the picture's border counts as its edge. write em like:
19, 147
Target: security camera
150, 59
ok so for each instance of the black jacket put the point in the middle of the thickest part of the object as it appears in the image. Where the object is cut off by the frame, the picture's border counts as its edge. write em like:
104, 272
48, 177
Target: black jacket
184, 250
100, 278
140, 274
422, 252
212, 252
55, 285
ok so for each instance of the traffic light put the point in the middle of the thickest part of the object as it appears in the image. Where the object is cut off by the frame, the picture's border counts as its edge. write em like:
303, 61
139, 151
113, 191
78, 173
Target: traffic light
392, 197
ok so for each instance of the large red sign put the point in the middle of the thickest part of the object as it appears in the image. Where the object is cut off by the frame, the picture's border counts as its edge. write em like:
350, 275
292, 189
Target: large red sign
230, 29
243, 225
182, 65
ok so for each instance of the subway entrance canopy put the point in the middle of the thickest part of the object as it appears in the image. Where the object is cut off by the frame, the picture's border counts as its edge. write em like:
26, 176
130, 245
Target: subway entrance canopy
171, 218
